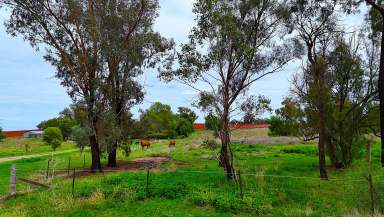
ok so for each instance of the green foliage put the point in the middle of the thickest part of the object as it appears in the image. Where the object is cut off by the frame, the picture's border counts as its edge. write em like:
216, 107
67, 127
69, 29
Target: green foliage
80, 135
277, 126
187, 114
65, 125
2, 136
348, 86
52, 136
287, 121
212, 122
158, 121
253, 107
184, 127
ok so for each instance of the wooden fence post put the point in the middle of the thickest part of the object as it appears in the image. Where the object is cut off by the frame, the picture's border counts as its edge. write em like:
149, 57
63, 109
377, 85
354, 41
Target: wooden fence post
241, 186
371, 194
12, 181
69, 165
147, 184
73, 182
368, 151
47, 172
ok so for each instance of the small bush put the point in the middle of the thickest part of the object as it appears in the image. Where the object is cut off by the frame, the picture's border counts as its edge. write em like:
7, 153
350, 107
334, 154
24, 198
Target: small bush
277, 127
212, 123
53, 137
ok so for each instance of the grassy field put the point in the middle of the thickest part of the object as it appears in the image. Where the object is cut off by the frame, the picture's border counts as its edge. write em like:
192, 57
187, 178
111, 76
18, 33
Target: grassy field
28, 146
277, 180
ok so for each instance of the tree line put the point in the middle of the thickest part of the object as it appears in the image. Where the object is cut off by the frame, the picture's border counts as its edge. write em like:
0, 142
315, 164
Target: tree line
156, 122
100, 49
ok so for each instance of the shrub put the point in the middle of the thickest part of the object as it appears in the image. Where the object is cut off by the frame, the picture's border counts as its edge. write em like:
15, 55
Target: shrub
53, 137
212, 123
277, 127
184, 127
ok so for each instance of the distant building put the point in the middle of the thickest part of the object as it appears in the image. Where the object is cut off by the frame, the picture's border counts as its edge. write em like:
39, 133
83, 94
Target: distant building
33, 134
20, 133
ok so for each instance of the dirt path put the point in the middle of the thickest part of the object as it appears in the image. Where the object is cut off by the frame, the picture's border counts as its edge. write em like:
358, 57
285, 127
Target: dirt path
6, 159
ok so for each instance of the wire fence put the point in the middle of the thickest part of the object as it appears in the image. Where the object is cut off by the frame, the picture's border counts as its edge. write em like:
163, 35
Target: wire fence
246, 193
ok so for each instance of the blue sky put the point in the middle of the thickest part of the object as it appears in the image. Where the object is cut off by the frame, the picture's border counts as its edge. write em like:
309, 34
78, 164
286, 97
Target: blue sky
30, 94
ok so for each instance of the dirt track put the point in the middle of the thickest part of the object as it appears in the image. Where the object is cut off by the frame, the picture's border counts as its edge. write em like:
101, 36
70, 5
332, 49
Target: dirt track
6, 159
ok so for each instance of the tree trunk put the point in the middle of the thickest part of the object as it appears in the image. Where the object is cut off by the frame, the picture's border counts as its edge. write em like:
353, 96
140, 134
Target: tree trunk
112, 159
95, 149
112, 155
96, 164
381, 91
226, 155
319, 74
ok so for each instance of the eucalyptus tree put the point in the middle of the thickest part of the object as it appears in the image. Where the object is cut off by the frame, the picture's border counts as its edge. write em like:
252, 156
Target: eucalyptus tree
354, 96
377, 15
234, 44
350, 102
315, 23
128, 45
67, 32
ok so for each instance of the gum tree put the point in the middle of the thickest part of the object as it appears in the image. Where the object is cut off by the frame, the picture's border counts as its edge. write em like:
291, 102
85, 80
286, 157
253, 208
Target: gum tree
377, 15
314, 23
128, 45
67, 32
233, 45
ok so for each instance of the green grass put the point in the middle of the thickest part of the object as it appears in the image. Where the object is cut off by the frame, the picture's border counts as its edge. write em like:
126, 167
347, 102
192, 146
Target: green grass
279, 180
16, 147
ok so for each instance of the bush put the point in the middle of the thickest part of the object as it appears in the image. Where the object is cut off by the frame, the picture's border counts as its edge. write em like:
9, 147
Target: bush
212, 123
184, 127
53, 137
2, 136
277, 127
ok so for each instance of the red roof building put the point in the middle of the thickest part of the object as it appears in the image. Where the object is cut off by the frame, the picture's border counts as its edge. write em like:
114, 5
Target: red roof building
16, 133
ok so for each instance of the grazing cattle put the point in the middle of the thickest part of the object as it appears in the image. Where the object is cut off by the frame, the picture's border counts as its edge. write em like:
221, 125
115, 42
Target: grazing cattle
172, 143
145, 143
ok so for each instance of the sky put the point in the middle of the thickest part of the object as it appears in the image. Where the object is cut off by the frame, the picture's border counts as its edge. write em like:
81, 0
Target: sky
29, 93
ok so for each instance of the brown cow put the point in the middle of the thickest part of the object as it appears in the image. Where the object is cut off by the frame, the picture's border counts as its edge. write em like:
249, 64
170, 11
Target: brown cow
145, 143
172, 143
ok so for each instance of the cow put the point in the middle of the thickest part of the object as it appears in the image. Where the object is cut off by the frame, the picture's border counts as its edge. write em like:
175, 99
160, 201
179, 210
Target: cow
172, 143
145, 143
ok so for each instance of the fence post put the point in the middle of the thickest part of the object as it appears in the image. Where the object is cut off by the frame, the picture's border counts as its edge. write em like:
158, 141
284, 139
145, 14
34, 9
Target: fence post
371, 194
47, 172
12, 181
368, 151
241, 186
73, 182
147, 184
69, 165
